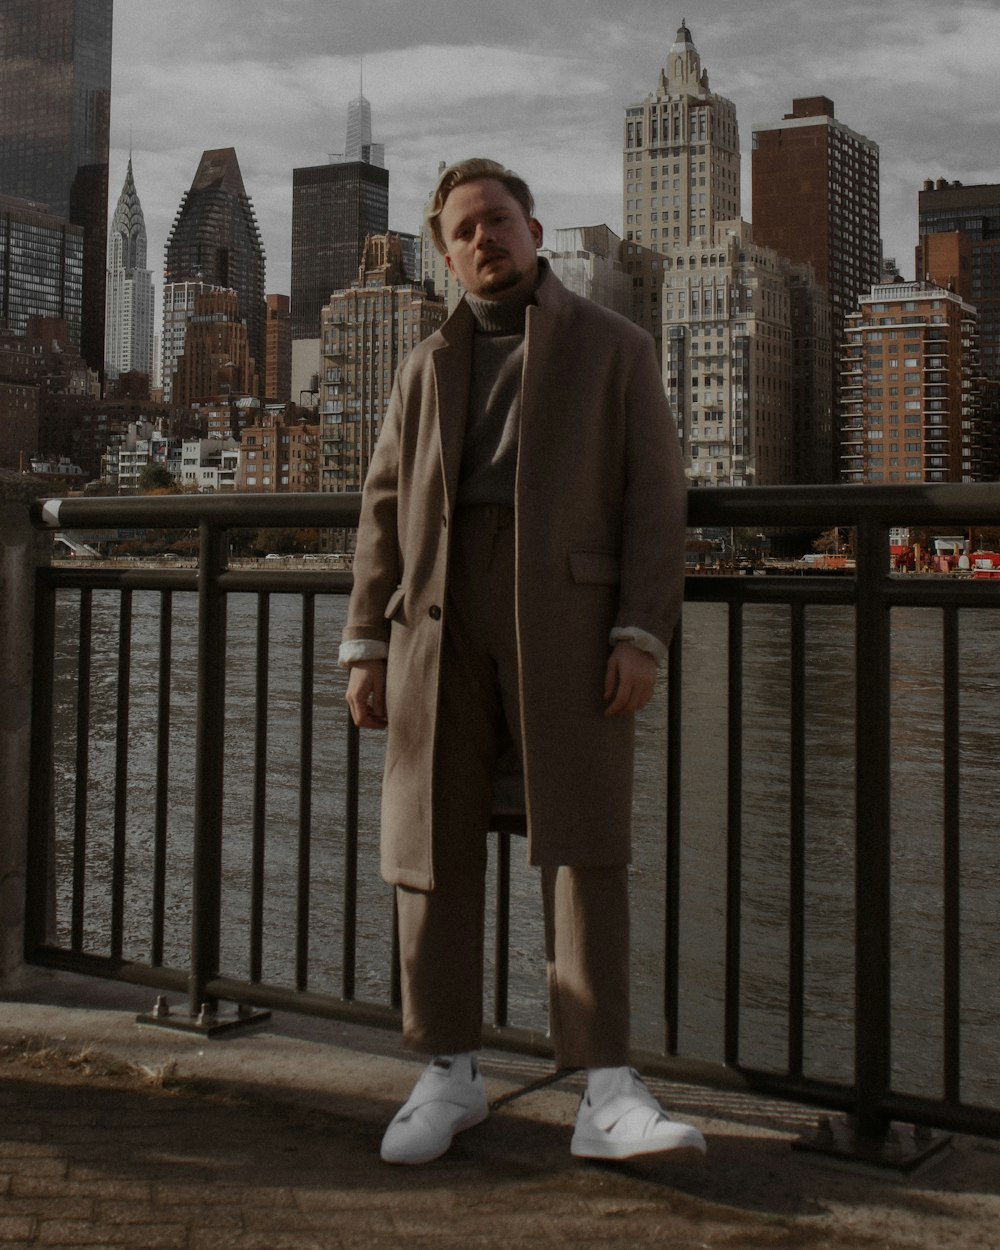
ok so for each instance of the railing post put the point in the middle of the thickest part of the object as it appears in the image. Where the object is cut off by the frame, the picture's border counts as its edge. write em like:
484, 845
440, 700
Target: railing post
22, 550
672, 848
206, 884
872, 921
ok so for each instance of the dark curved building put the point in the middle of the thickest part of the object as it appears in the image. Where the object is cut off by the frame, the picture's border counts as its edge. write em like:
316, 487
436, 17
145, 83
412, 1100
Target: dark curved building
215, 239
55, 111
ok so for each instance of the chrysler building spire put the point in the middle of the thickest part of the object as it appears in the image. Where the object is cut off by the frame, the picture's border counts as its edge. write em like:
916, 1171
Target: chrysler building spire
127, 246
128, 301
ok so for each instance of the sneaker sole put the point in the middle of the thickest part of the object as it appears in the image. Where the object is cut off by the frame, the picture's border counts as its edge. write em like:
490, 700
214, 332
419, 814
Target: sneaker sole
618, 1152
470, 1121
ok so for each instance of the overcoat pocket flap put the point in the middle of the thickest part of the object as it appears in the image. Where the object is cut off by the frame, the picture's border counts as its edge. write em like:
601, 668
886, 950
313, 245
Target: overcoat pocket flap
395, 599
595, 568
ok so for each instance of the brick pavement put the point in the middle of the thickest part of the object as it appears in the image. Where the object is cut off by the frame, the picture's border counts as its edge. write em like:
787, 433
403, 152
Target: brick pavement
126, 1137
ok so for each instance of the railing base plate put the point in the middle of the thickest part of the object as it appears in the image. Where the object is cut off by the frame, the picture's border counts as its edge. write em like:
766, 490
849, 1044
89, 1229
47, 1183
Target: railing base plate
208, 1022
903, 1147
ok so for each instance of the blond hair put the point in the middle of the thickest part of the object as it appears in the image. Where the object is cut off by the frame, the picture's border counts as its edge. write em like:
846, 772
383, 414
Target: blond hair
473, 170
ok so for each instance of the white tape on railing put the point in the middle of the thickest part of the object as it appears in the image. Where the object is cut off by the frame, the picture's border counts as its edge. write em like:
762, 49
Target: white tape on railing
50, 511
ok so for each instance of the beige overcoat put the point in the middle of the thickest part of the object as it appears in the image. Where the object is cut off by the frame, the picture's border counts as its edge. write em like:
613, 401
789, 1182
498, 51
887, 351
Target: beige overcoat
600, 513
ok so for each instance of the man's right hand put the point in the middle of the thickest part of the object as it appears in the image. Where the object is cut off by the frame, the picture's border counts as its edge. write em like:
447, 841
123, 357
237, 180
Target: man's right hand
366, 694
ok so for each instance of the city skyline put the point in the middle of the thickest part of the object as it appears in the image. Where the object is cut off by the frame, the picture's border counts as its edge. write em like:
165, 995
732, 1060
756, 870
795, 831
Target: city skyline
540, 91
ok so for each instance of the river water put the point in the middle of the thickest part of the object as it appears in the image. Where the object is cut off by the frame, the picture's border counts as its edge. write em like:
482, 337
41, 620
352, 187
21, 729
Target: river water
917, 814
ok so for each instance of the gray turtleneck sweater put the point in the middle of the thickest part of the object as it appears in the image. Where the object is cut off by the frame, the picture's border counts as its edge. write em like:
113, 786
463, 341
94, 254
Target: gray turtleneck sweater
489, 454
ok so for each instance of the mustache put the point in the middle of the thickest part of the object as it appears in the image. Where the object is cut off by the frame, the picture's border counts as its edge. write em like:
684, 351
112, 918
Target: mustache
494, 254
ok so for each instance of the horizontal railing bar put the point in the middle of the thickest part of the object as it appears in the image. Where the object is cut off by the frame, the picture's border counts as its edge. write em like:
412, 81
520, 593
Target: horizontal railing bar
302, 1002
536, 1043
940, 1113
914, 591
811, 1091
93, 577
816, 590
812, 590
131, 971
897, 590
232, 581
828, 506
797, 506
282, 583
229, 511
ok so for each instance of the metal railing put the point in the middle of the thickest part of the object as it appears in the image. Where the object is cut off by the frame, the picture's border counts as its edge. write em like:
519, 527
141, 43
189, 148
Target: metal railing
870, 596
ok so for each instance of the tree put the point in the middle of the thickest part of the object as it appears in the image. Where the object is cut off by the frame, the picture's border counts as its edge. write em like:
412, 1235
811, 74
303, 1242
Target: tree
280, 542
156, 477
836, 542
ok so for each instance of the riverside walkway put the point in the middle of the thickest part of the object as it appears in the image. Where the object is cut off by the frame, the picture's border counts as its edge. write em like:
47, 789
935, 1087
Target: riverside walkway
114, 1134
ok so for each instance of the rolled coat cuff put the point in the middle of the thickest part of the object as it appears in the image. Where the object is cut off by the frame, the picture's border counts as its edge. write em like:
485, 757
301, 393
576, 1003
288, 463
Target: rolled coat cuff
641, 639
361, 649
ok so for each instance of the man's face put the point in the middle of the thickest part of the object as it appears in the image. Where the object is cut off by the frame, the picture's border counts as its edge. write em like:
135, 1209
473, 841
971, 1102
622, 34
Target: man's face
490, 245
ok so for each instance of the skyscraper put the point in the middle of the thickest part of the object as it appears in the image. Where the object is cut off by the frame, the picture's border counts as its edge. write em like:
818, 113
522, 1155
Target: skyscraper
128, 336
334, 209
720, 305
178, 308
359, 146
55, 108
911, 387
278, 365
729, 357
816, 200
367, 330
41, 267
681, 171
215, 239
216, 361
971, 215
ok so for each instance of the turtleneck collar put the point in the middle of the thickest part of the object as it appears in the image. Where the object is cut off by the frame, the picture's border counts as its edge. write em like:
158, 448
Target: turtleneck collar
503, 316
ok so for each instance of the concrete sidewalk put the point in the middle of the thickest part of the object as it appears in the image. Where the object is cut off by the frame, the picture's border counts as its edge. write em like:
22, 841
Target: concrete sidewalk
113, 1134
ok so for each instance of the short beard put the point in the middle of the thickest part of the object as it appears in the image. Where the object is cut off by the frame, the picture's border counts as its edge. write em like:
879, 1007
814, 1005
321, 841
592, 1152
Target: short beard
491, 288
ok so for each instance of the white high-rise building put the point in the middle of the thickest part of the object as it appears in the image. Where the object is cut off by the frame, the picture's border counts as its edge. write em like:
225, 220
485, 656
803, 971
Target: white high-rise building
129, 298
743, 333
680, 172
728, 358
359, 146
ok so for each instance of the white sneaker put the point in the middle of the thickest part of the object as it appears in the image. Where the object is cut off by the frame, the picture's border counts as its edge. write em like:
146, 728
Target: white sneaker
627, 1122
448, 1098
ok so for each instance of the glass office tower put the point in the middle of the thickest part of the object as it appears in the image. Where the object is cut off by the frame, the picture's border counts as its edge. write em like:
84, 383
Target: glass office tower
334, 209
55, 109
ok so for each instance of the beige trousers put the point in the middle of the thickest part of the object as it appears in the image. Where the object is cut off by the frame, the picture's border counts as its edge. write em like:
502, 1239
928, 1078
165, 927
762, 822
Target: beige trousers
441, 931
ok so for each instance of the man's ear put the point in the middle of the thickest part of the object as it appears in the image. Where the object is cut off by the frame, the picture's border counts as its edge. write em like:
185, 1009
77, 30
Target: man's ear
535, 226
447, 261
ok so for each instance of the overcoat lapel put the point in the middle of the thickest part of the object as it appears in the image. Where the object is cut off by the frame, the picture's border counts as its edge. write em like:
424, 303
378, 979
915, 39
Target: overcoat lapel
452, 380
540, 325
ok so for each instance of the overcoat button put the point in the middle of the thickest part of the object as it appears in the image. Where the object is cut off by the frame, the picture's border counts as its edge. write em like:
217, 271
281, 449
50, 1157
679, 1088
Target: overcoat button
434, 613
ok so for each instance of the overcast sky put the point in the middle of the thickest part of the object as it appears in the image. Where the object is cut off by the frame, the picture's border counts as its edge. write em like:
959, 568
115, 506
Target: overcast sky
538, 84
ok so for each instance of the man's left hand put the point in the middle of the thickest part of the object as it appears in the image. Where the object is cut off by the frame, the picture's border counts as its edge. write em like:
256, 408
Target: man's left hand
629, 681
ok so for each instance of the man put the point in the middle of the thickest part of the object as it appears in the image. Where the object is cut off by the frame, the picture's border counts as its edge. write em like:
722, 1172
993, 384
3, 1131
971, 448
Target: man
518, 576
